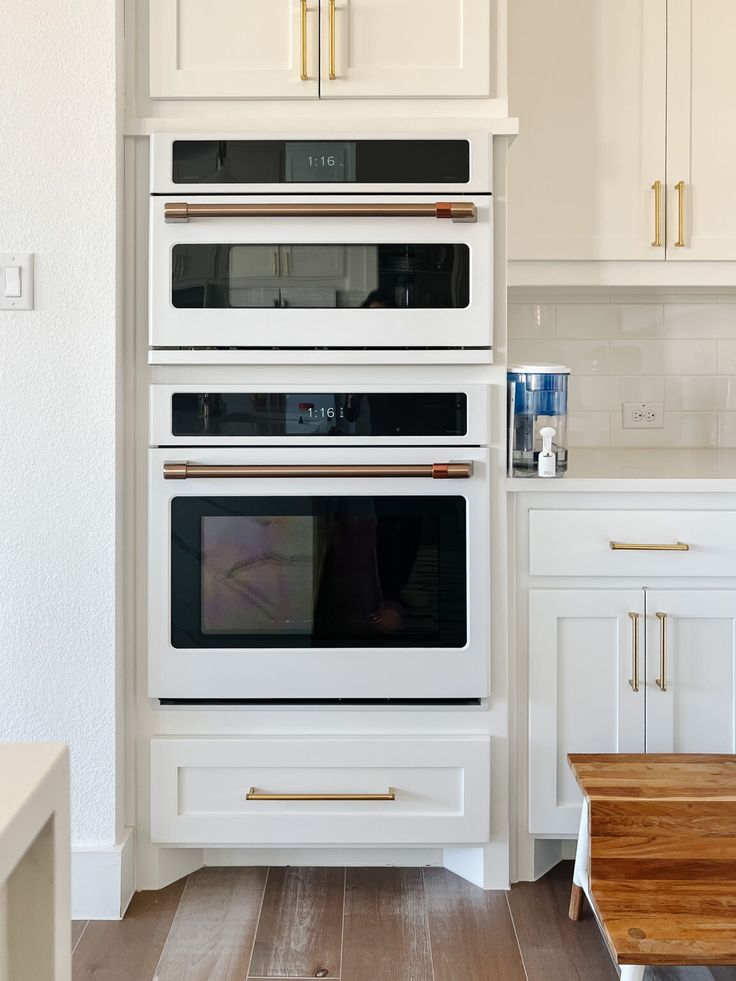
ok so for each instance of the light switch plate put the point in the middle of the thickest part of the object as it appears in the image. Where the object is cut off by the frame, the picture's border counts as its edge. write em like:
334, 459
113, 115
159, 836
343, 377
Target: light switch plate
24, 262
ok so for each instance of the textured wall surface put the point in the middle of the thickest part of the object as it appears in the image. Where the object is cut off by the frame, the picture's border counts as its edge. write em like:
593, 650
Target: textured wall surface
57, 395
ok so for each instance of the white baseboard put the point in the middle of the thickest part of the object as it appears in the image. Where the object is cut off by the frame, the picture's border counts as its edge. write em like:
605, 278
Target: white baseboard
103, 880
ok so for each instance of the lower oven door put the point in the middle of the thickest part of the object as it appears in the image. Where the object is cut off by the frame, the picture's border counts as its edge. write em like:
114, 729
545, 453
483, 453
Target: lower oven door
355, 575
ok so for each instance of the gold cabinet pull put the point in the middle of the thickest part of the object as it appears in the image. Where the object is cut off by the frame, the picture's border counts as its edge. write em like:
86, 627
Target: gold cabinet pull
463, 211
662, 679
436, 471
303, 39
646, 547
254, 794
657, 188
680, 188
634, 679
332, 74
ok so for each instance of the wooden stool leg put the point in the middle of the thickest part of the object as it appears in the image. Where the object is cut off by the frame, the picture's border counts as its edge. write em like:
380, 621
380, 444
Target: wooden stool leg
580, 873
632, 972
576, 902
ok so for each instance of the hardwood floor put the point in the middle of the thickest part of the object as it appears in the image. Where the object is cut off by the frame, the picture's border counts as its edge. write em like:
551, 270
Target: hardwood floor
382, 924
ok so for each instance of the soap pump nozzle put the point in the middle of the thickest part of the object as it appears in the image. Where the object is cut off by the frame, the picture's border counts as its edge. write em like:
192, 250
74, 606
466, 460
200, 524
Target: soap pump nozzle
547, 463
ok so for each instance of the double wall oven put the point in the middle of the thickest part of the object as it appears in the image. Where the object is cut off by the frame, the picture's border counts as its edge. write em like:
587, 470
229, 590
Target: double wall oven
295, 244
318, 544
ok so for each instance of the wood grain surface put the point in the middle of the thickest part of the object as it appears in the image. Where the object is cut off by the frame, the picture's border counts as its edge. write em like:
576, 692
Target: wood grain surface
300, 928
385, 933
212, 935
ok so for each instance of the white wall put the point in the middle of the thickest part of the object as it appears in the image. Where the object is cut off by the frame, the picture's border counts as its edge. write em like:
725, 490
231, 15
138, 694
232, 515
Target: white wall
677, 348
58, 199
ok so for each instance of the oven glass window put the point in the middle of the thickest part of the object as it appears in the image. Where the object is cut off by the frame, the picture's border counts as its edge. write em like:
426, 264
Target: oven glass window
306, 275
372, 571
318, 414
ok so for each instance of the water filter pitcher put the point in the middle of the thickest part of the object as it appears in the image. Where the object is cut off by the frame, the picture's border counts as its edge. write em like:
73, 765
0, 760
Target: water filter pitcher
537, 401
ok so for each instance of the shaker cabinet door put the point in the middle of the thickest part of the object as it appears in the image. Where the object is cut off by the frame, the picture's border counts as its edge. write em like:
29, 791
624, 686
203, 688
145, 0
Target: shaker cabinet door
587, 79
691, 654
701, 138
582, 646
406, 48
234, 49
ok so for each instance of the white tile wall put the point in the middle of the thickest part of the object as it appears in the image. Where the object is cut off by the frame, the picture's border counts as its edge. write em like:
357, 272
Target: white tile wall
677, 349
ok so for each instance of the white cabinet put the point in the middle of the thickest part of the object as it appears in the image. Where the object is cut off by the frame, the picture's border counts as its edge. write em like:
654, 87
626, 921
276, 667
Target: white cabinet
691, 643
614, 96
701, 138
580, 699
291, 49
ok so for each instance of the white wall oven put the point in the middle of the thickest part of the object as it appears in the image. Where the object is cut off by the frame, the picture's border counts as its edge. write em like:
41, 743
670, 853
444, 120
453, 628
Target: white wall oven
318, 545
295, 244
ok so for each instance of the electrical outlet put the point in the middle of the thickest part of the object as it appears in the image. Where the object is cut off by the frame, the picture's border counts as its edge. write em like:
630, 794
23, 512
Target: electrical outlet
642, 415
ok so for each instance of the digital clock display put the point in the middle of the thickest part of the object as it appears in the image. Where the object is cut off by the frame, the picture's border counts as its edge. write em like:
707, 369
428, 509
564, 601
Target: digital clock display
328, 162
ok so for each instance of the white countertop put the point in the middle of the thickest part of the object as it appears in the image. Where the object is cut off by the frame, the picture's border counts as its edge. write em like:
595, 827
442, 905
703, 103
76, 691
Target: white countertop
683, 470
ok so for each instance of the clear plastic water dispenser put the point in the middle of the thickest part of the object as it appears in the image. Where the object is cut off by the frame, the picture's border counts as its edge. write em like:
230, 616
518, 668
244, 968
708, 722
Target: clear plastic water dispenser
537, 400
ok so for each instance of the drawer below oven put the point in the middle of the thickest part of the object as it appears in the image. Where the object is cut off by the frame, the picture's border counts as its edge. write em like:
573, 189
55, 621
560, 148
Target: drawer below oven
440, 785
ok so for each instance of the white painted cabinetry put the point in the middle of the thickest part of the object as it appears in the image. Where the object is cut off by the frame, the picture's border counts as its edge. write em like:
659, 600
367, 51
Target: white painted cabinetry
291, 49
614, 96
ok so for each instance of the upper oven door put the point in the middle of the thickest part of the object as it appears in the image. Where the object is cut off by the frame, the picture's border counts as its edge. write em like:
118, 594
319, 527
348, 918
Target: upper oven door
318, 573
340, 280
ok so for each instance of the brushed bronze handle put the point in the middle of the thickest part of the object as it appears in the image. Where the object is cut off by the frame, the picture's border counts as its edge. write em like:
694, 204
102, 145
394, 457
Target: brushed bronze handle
680, 188
332, 74
661, 681
646, 547
657, 188
178, 211
254, 794
303, 38
634, 679
436, 471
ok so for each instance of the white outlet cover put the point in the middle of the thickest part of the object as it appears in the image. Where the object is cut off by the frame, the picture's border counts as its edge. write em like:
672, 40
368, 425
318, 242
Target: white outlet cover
642, 415
22, 261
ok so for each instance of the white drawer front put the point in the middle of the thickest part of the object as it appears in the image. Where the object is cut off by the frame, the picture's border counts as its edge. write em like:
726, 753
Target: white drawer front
441, 787
578, 543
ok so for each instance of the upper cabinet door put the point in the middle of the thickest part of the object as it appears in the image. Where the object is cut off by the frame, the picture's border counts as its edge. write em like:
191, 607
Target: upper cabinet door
406, 48
692, 643
234, 49
701, 138
587, 79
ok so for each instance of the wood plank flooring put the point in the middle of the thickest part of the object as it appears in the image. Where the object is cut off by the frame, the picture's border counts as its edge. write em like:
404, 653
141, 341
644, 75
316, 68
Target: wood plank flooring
384, 924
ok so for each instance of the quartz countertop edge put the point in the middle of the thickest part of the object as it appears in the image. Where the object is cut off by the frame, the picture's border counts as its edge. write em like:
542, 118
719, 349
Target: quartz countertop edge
681, 470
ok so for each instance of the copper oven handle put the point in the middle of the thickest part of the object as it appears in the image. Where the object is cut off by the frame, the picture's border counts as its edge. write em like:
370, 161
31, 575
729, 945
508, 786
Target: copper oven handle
177, 211
254, 794
437, 471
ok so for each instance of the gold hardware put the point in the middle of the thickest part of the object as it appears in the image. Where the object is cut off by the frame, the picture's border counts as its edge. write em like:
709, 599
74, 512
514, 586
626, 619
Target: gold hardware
437, 471
657, 188
662, 679
303, 75
332, 75
642, 547
454, 210
680, 188
254, 794
634, 679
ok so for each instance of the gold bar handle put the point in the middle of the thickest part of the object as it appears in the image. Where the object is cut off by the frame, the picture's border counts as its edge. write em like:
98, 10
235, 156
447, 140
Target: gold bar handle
634, 679
436, 471
657, 188
254, 794
303, 39
661, 681
178, 211
680, 188
645, 547
332, 74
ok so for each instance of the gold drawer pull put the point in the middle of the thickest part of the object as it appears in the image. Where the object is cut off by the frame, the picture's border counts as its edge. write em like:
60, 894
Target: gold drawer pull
303, 38
643, 547
661, 681
680, 188
634, 679
254, 794
457, 211
331, 16
657, 188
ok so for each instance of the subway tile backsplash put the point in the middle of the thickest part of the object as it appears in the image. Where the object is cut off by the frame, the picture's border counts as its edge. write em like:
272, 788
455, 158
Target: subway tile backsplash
673, 349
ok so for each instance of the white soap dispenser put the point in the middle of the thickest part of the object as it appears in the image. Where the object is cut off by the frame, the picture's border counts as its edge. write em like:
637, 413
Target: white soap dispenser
547, 463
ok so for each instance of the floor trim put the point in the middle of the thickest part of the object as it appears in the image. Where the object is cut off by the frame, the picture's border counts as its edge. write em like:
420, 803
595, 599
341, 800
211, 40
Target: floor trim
103, 879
